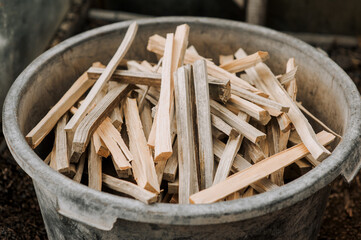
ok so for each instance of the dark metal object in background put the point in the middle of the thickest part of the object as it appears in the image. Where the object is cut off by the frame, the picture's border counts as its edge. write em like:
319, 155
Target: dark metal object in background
26, 28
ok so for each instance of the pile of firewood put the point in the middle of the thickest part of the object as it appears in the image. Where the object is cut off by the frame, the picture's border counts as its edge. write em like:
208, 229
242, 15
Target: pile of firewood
184, 130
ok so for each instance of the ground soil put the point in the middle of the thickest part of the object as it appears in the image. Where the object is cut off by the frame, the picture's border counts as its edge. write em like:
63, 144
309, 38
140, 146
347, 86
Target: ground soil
20, 216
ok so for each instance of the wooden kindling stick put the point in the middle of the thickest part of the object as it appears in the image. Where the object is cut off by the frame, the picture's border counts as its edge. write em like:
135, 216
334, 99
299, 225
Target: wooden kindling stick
188, 181
256, 172
204, 127
103, 79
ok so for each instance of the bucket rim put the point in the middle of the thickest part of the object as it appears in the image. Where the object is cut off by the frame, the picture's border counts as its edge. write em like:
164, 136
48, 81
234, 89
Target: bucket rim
220, 212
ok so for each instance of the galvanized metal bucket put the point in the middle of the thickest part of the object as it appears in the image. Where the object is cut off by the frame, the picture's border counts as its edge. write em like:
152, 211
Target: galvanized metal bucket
294, 211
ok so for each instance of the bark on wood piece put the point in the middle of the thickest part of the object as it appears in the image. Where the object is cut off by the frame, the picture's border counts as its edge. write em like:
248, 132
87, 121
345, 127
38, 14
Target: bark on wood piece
186, 144
129, 188
156, 44
103, 79
243, 63
251, 109
143, 165
62, 153
204, 126
304, 129
317, 120
223, 59
94, 168
291, 86
100, 147
163, 145
146, 118
259, 100
250, 132
256, 172
39, 132
170, 170
90, 123
173, 187
79, 171
128, 76
228, 155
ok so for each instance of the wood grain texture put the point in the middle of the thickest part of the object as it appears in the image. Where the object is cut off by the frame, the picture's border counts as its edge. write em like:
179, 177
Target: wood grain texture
171, 168
61, 152
256, 172
129, 188
146, 118
90, 123
143, 165
304, 129
94, 168
223, 59
163, 145
241, 64
204, 125
79, 171
264, 102
100, 147
156, 44
186, 141
47, 123
103, 79
250, 108
250, 132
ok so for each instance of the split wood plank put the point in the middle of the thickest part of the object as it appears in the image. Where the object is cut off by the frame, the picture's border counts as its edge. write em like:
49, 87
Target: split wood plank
245, 62
239, 164
128, 76
248, 193
288, 77
204, 126
265, 102
47, 123
188, 179
253, 151
156, 44
283, 119
143, 165
223, 59
250, 132
251, 109
294, 138
61, 152
219, 90
173, 187
79, 171
103, 79
256, 172
94, 168
100, 147
119, 159
146, 118
228, 155
219, 124
129, 188
170, 170
90, 123
291, 86
163, 145
47, 159
304, 129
